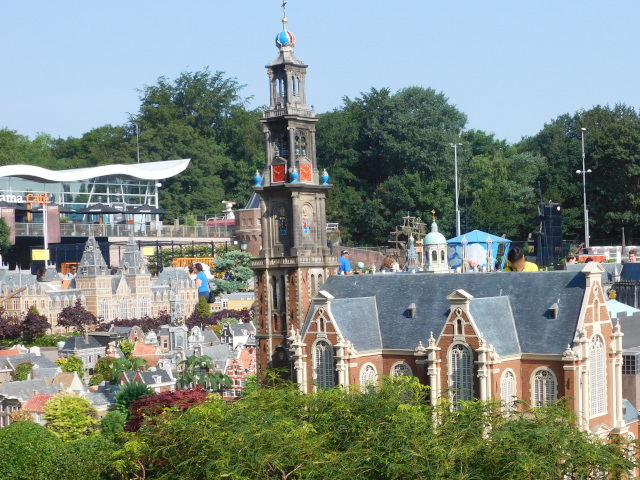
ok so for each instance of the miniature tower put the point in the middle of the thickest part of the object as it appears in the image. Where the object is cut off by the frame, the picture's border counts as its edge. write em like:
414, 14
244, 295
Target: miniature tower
434, 249
294, 260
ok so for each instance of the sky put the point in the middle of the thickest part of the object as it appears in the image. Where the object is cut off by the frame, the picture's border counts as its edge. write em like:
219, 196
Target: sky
511, 66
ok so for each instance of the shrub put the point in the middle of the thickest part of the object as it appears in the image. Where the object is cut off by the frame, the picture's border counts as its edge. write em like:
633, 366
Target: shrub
21, 415
129, 393
26, 451
203, 308
22, 371
83, 459
70, 417
112, 425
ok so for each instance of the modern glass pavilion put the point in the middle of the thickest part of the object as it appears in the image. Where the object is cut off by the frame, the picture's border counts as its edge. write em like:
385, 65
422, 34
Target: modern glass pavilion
123, 186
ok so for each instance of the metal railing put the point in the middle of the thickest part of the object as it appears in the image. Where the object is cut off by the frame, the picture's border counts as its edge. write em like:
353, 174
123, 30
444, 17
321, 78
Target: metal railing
124, 230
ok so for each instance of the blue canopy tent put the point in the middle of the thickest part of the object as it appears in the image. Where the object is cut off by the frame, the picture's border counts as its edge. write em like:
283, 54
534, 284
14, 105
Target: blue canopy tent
477, 244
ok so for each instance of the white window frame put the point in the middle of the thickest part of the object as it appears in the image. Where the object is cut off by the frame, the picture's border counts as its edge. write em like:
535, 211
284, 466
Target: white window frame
400, 366
323, 375
508, 389
368, 377
460, 384
597, 377
550, 393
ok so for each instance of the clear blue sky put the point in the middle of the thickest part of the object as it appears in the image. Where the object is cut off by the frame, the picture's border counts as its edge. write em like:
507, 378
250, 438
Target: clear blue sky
511, 66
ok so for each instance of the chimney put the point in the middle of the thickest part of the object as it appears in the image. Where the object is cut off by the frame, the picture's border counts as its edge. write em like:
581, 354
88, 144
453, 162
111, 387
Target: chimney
86, 335
35, 392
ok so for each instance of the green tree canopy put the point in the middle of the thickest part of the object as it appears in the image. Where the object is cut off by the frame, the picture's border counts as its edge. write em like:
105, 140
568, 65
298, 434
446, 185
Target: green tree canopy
71, 363
130, 392
26, 451
71, 417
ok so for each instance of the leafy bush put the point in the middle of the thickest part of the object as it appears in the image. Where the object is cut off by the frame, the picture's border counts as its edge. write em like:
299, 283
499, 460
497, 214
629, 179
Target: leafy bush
21, 415
71, 364
96, 379
51, 340
26, 450
22, 371
82, 459
70, 417
112, 425
129, 393
146, 410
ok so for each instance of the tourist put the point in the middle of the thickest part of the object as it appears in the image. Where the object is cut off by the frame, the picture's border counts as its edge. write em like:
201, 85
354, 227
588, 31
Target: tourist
40, 274
388, 264
345, 265
473, 265
633, 256
571, 259
518, 262
202, 282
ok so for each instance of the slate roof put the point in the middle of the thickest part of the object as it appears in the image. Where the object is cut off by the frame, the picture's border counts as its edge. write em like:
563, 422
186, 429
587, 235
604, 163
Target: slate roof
102, 397
23, 390
494, 318
629, 412
132, 259
39, 360
78, 343
611, 270
530, 295
92, 263
46, 373
148, 376
630, 272
358, 322
219, 355
210, 336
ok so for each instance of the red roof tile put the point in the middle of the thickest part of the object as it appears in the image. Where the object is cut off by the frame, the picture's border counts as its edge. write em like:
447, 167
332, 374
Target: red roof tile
10, 351
36, 403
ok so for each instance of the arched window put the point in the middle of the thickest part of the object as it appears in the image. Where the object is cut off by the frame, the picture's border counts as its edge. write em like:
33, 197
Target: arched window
459, 327
133, 311
442, 256
544, 387
297, 146
123, 309
461, 373
323, 364
144, 307
104, 310
313, 285
319, 281
434, 255
598, 404
274, 292
401, 369
368, 378
508, 390
596, 311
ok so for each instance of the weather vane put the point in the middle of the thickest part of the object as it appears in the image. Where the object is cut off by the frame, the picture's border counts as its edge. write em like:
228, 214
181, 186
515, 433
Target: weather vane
284, 8
433, 212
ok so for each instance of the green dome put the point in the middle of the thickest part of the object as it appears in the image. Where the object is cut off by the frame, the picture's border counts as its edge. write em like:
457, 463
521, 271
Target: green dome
434, 237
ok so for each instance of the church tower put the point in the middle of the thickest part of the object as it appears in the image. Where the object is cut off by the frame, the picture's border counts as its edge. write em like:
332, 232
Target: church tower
294, 260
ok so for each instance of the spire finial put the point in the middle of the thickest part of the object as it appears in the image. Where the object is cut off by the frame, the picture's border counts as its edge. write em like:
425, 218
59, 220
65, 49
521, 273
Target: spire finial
284, 15
433, 212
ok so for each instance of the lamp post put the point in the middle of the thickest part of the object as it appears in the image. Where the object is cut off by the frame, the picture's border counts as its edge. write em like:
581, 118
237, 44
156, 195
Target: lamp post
243, 245
455, 163
584, 172
157, 185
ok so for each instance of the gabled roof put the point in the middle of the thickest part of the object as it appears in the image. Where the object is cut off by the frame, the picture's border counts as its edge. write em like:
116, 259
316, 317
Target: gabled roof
629, 412
65, 379
75, 344
36, 403
149, 377
92, 263
132, 262
494, 318
530, 296
25, 389
46, 373
39, 360
142, 349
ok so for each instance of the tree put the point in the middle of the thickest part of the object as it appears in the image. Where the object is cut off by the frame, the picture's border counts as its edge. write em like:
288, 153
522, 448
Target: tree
26, 451
125, 365
147, 409
71, 364
5, 233
112, 425
9, 326
34, 325
71, 417
23, 370
232, 271
127, 348
21, 415
203, 308
102, 370
77, 316
199, 371
83, 459
129, 392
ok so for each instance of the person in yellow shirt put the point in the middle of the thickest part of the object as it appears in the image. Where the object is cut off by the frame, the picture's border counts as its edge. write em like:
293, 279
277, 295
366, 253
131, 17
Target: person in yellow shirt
518, 263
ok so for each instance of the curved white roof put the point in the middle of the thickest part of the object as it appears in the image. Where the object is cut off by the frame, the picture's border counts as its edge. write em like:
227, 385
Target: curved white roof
138, 171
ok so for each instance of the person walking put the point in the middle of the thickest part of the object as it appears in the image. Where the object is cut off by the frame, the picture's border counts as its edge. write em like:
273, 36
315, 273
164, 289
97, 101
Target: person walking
202, 282
345, 265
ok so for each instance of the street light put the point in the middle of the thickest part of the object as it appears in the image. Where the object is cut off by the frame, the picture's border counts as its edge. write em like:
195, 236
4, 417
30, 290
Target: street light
455, 160
243, 245
584, 172
157, 185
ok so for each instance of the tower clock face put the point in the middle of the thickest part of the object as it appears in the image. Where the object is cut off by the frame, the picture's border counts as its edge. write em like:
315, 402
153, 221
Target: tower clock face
278, 173
305, 172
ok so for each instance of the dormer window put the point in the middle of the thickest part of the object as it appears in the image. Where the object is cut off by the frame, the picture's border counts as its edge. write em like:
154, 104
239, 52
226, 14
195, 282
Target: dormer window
553, 311
411, 311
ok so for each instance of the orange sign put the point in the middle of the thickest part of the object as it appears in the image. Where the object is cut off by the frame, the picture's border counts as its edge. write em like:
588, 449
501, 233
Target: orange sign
42, 198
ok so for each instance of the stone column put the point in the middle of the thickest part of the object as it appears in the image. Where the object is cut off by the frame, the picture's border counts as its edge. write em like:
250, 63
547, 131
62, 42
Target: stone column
297, 355
482, 369
292, 149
